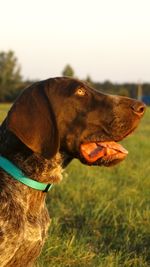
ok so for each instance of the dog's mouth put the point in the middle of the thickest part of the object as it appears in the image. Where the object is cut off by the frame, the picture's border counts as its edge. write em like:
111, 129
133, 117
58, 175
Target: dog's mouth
107, 153
103, 153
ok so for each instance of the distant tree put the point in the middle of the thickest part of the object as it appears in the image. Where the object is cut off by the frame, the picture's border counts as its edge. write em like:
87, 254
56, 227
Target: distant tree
89, 81
108, 86
68, 71
123, 91
10, 77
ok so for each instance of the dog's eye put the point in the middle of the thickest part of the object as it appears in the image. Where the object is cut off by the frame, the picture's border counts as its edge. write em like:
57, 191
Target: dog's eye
80, 92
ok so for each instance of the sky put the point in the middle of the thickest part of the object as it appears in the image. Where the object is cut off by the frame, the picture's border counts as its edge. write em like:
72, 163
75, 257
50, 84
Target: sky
106, 39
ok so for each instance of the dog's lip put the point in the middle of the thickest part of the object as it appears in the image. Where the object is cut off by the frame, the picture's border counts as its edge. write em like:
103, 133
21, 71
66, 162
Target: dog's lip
118, 139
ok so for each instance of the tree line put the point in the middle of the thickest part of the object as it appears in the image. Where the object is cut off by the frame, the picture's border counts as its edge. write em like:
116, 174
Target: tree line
12, 82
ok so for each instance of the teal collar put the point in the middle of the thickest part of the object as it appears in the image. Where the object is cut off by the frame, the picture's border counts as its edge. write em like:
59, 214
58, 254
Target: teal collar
18, 175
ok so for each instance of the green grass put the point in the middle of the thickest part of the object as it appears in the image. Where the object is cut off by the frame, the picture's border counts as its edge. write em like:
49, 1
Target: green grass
101, 216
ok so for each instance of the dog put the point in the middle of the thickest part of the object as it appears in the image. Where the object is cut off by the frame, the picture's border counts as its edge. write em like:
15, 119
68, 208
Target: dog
52, 122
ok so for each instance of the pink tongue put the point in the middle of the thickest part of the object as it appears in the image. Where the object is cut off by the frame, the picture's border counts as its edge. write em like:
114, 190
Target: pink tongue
94, 151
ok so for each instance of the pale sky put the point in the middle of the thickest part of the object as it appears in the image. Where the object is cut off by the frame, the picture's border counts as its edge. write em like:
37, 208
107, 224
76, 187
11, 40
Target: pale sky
106, 39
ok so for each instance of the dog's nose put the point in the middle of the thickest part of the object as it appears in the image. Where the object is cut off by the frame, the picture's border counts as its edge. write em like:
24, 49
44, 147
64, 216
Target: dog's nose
138, 108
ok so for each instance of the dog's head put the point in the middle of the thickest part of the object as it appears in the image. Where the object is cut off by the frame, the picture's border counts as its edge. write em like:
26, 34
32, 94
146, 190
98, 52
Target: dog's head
67, 115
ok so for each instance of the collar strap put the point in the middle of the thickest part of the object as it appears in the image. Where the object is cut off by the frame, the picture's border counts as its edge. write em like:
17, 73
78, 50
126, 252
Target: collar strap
18, 175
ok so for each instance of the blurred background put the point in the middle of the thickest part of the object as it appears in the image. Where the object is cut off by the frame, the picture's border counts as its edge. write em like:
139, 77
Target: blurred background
100, 216
106, 43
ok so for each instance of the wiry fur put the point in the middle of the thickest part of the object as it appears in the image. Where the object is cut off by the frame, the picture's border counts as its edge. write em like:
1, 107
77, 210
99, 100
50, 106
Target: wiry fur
24, 218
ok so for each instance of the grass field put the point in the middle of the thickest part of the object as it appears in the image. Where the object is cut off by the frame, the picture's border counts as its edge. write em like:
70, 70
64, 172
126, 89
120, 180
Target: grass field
101, 216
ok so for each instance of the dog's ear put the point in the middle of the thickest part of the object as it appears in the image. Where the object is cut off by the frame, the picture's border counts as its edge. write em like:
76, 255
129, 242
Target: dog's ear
32, 120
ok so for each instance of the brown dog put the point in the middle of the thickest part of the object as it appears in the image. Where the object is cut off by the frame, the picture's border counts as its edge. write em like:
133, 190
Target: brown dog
51, 123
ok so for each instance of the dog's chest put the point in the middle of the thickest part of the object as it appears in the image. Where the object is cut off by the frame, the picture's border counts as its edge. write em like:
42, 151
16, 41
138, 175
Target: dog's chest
35, 231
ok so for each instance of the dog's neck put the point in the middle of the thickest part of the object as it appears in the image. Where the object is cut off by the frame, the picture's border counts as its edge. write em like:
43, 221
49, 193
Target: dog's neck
32, 164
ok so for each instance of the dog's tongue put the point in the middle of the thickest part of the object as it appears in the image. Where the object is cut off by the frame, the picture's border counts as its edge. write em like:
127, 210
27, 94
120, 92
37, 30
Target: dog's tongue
95, 151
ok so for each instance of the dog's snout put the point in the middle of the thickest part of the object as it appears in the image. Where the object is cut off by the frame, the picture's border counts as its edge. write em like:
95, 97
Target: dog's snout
138, 108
